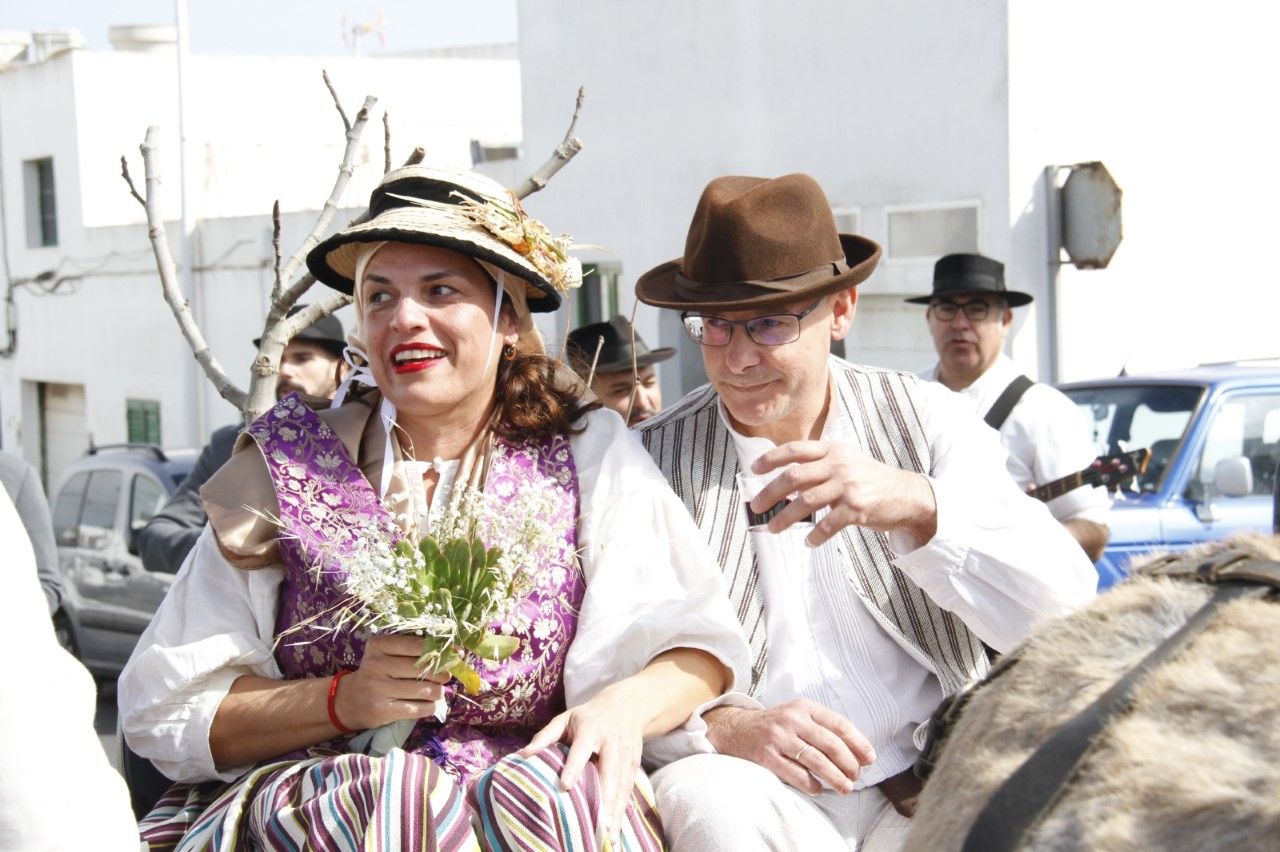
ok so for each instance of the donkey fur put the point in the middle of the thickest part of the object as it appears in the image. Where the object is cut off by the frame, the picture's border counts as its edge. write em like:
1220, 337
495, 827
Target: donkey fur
1192, 766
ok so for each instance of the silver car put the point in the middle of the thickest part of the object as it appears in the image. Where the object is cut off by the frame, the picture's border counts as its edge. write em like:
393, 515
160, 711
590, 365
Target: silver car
102, 501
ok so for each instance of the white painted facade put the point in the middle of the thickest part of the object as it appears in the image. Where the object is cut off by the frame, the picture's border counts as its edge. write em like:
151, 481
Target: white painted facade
927, 103
261, 129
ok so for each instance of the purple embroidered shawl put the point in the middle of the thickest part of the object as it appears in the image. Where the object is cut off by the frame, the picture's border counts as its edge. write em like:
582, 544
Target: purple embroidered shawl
323, 497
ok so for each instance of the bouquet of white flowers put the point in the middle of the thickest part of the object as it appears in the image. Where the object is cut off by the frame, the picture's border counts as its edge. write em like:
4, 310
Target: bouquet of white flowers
465, 575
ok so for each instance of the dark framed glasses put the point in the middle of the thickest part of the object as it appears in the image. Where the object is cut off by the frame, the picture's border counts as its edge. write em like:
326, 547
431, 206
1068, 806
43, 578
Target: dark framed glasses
770, 330
975, 310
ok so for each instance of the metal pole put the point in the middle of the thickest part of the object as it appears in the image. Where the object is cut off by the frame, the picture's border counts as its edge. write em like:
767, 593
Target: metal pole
197, 434
1053, 255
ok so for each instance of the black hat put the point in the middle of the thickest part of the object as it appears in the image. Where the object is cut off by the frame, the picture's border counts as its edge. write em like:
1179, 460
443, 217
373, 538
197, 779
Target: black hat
615, 352
325, 332
962, 274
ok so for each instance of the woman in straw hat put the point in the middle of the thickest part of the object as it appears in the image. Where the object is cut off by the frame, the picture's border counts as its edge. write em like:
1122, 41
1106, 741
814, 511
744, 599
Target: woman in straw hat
243, 692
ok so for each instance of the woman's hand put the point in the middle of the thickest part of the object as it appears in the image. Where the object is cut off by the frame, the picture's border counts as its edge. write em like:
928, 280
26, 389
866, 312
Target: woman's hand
609, 725
388, 685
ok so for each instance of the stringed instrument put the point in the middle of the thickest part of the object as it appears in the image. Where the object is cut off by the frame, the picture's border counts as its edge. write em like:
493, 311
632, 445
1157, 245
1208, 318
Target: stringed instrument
1109, 472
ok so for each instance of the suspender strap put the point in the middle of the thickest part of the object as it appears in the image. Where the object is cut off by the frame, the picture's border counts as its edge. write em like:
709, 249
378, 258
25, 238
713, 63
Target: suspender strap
1008, 399
1018, 804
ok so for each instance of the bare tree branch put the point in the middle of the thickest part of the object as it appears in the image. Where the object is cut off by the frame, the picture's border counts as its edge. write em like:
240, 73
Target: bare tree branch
563, 153
354, 129
133, 190
277, 331
386, 142
337, 101
169, 278
291, 296
278, 286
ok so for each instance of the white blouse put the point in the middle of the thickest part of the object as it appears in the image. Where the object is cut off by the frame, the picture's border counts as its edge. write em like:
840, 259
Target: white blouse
652, 585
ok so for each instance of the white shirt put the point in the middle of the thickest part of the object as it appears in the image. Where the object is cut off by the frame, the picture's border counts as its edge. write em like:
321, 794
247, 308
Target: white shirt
57, 790
998, 560
652, 585
1046, 436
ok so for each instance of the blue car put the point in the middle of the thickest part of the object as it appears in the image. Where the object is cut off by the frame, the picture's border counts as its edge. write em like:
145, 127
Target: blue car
1214, 437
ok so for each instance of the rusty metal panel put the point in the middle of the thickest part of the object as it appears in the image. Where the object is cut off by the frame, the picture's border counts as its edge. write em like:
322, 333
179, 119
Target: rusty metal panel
1090, 216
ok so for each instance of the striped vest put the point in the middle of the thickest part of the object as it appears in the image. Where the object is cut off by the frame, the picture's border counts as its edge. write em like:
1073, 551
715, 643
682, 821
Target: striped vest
692, 446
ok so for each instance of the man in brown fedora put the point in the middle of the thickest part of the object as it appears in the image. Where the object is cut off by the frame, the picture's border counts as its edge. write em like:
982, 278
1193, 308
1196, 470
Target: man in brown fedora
970, 313
619, 366
870, 538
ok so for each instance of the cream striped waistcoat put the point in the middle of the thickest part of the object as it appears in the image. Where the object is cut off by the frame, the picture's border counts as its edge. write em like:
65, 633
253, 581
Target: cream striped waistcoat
693, 448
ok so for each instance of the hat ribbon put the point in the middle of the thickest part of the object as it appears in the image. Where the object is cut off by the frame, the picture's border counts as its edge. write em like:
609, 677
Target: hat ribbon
690, 289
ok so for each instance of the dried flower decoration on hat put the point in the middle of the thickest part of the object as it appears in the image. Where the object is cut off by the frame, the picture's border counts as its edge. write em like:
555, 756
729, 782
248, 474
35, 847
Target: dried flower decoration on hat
526, 236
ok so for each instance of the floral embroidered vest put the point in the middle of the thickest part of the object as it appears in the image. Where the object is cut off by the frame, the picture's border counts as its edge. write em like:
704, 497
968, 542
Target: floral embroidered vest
323, 498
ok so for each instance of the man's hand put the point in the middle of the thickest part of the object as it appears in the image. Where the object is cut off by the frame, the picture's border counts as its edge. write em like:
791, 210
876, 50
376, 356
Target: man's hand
857, 489
795, 741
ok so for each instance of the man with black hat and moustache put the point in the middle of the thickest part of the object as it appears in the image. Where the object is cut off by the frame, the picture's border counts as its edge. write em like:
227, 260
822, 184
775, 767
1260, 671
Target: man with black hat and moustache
312, 365
970, 313
884, 543
624, 378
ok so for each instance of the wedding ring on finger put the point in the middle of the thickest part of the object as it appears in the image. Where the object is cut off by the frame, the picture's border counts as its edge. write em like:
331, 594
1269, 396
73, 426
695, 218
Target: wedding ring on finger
801, 752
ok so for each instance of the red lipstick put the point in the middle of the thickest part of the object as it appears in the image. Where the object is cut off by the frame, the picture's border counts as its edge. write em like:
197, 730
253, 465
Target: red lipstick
418, 356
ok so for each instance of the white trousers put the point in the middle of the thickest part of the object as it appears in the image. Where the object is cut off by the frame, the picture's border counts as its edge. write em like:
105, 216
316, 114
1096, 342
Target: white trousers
713, 801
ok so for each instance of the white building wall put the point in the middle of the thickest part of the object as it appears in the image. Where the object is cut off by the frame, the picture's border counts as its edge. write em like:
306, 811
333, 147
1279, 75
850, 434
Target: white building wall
1178, 101
262, 129
885, 104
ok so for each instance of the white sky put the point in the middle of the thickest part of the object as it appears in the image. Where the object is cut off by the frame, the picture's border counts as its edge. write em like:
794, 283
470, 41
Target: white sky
280, 27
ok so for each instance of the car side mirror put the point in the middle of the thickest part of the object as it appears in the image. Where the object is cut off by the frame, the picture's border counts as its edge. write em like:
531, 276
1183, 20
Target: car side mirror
1233, 477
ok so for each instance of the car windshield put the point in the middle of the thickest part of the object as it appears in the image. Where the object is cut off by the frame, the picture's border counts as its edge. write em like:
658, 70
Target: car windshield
1127, 417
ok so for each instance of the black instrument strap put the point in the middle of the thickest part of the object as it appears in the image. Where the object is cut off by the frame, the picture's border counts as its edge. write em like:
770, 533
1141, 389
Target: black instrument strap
1008, 399
1018, 804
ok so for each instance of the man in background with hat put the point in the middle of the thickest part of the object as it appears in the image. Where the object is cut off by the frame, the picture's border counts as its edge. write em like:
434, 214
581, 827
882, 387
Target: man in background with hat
624, 379
970, 314
312, 365
883, 546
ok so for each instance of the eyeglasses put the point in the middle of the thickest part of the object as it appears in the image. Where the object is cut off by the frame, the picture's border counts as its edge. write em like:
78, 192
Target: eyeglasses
771, 330
974, 311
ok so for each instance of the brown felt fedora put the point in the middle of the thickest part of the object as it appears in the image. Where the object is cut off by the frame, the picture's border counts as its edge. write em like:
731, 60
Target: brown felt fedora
759, 243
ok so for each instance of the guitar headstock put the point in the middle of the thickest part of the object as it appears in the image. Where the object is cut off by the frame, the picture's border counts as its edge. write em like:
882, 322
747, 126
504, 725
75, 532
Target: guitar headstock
1113, 471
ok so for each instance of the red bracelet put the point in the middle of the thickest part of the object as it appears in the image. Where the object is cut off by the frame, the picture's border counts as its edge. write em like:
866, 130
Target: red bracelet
333, 696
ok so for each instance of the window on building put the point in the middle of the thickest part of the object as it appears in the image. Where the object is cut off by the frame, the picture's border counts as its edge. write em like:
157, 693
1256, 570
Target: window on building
486, 152
41, 203
846, 219
142, 418
931, 232
597, 298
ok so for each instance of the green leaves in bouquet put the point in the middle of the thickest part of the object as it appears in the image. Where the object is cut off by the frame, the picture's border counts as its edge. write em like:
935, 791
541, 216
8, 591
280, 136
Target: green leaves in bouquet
458, 581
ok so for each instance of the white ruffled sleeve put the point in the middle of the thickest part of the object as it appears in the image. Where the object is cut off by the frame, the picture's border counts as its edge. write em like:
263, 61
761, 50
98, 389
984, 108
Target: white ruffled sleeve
652, 582
216, 623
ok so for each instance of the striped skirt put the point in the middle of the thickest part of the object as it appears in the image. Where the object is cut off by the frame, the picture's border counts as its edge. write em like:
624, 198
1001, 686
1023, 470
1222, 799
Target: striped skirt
403, 801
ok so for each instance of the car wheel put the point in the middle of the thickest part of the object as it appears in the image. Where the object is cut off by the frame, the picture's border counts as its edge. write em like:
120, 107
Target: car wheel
62, 632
